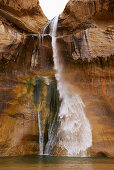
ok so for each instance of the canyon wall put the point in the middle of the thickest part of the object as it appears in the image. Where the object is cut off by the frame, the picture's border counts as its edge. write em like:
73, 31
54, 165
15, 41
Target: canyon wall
26, 16
18, 19
83, 14
86, 45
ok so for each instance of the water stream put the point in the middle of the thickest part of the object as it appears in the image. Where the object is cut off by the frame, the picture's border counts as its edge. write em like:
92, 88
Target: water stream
52, 137
41, 137
74, 131
46, 99
37, 95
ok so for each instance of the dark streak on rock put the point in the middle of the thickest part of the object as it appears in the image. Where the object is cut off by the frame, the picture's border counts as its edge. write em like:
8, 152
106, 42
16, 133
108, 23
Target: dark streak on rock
3, 106
7, 2
30, 137
111, 5
95, 7
17, 115
77, 42
102, 3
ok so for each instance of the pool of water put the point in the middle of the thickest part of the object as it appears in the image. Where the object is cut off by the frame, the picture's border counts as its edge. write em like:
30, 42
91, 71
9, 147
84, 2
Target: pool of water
56, 163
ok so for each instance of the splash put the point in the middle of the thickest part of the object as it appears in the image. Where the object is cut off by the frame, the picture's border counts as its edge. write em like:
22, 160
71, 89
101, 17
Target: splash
74, 131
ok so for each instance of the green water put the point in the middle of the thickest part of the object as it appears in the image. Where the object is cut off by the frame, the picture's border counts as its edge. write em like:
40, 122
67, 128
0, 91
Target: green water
45, 162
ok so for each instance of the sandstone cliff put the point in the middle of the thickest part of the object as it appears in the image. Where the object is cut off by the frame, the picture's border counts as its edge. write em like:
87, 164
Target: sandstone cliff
86, 46
83, 14
91, 25
17, 20
26, 16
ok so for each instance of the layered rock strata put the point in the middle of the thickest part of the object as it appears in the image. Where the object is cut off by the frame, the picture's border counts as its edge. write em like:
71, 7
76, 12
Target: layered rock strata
26, 16
18, 19
83, 14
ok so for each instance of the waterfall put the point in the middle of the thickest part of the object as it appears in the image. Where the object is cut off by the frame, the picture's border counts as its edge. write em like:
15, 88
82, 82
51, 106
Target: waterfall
46, 100
53, 105
74, 132
41, 137
51, 137
37, 100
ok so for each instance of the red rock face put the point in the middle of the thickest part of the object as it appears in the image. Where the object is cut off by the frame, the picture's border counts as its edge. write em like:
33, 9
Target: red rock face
18, 20
79, 15
20, 5
26, 16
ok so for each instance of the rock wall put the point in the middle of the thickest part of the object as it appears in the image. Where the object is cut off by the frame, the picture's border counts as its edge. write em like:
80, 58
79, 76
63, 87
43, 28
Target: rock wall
86, 45
18, 19
26, 16
18, 53
83, 14
18, 127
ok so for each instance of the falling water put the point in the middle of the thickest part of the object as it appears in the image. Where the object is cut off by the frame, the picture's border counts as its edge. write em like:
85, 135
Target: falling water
41, 137
52, 137
46, 99
74, 131
53, 105
37, 94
